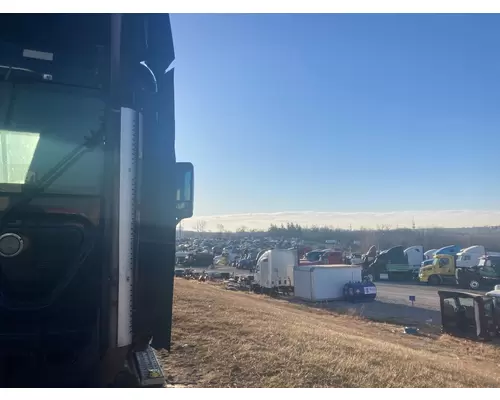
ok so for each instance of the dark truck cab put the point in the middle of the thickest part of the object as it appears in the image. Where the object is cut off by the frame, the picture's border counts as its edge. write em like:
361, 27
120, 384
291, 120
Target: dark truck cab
90, 195
389, 264
486, 275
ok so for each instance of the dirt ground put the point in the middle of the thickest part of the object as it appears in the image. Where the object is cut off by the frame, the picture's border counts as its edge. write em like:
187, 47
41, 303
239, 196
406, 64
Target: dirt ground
235, 339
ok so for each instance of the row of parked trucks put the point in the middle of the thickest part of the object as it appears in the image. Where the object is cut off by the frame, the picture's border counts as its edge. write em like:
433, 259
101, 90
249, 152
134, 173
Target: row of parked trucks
472, 267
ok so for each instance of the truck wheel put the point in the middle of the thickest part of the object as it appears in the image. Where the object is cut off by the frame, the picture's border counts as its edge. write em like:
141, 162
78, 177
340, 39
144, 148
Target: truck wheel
434, 280
474, 284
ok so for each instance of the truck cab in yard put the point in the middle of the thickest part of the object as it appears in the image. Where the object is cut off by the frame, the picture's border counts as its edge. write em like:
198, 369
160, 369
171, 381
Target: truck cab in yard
469, 257
274, 271
441, 271
485, 275
90, 196
390, 264
442, 268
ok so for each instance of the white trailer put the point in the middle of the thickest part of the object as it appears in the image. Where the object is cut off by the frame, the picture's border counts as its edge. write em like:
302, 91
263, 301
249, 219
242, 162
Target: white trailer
324, 282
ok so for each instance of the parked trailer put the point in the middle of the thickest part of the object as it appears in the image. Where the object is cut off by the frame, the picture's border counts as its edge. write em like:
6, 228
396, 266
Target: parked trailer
324, 282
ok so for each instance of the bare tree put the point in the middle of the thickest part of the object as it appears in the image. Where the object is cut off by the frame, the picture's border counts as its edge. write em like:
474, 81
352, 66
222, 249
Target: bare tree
200, 226
241, 229
220, 228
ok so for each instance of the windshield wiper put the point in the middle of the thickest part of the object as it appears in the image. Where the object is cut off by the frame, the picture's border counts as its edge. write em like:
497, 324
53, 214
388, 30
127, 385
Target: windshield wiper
32, 74
17, 75
91, 142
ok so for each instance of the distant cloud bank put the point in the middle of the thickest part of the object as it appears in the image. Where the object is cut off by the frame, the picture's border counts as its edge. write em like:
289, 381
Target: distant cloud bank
401, 219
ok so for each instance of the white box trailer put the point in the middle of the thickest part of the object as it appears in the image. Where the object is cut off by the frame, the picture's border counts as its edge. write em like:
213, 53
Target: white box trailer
324, 282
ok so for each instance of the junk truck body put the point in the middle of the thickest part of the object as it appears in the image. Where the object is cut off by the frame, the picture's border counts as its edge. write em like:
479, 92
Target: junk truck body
91, 193
484, 275
390, 264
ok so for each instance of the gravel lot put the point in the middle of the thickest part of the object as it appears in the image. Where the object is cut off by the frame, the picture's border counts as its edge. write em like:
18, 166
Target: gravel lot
391, 305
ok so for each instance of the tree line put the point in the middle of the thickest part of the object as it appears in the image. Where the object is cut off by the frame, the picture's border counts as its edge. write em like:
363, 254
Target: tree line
383, 236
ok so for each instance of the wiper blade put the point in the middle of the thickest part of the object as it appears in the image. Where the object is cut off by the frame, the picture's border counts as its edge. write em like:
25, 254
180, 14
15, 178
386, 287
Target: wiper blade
91, 142
32, 74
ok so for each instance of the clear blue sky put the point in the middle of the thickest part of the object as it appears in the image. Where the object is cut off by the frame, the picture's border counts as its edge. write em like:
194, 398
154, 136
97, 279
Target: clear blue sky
339, 112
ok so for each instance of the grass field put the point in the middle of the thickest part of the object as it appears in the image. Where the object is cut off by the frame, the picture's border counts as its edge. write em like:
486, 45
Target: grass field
235, 339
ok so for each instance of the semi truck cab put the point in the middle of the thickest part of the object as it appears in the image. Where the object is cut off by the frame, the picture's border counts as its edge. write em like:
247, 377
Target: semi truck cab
441, 271
484, 275
90, 195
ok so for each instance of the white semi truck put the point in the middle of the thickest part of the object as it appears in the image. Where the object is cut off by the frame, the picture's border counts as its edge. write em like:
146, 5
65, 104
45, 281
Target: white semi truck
274, 271
469, 257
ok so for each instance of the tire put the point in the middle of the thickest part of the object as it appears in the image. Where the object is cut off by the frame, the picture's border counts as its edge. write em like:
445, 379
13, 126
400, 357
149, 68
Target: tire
473, 284
434, 280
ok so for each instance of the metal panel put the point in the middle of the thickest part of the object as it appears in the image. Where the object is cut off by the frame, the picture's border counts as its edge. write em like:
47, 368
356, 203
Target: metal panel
127, 222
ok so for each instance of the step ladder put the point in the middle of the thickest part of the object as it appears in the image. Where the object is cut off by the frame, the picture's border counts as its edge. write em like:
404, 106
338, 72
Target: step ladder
147, 368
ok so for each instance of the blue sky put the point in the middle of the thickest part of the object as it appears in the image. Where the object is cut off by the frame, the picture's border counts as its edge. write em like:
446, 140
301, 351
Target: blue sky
339, 113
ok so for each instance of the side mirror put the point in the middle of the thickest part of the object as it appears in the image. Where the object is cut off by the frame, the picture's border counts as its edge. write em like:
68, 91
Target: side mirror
184, 172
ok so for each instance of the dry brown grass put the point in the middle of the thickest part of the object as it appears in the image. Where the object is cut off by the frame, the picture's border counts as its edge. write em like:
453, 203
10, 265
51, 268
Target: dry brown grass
234, 339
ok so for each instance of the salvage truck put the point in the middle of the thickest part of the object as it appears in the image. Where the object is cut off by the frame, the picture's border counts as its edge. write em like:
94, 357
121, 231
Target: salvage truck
390, 264
90, 195
484, 275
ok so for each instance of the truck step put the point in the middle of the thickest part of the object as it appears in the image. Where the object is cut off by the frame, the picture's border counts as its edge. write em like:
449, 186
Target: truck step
149, 370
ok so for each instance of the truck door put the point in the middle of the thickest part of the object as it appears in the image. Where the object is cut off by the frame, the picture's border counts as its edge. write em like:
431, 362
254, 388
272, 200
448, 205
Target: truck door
489, 274
446, 267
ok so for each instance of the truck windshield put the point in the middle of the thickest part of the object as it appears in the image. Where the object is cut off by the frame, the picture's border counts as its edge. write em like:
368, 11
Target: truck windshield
40, 124
313, 255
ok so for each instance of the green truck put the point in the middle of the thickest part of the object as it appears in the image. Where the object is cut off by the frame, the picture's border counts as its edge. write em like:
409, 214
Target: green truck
483, 276
391, 264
